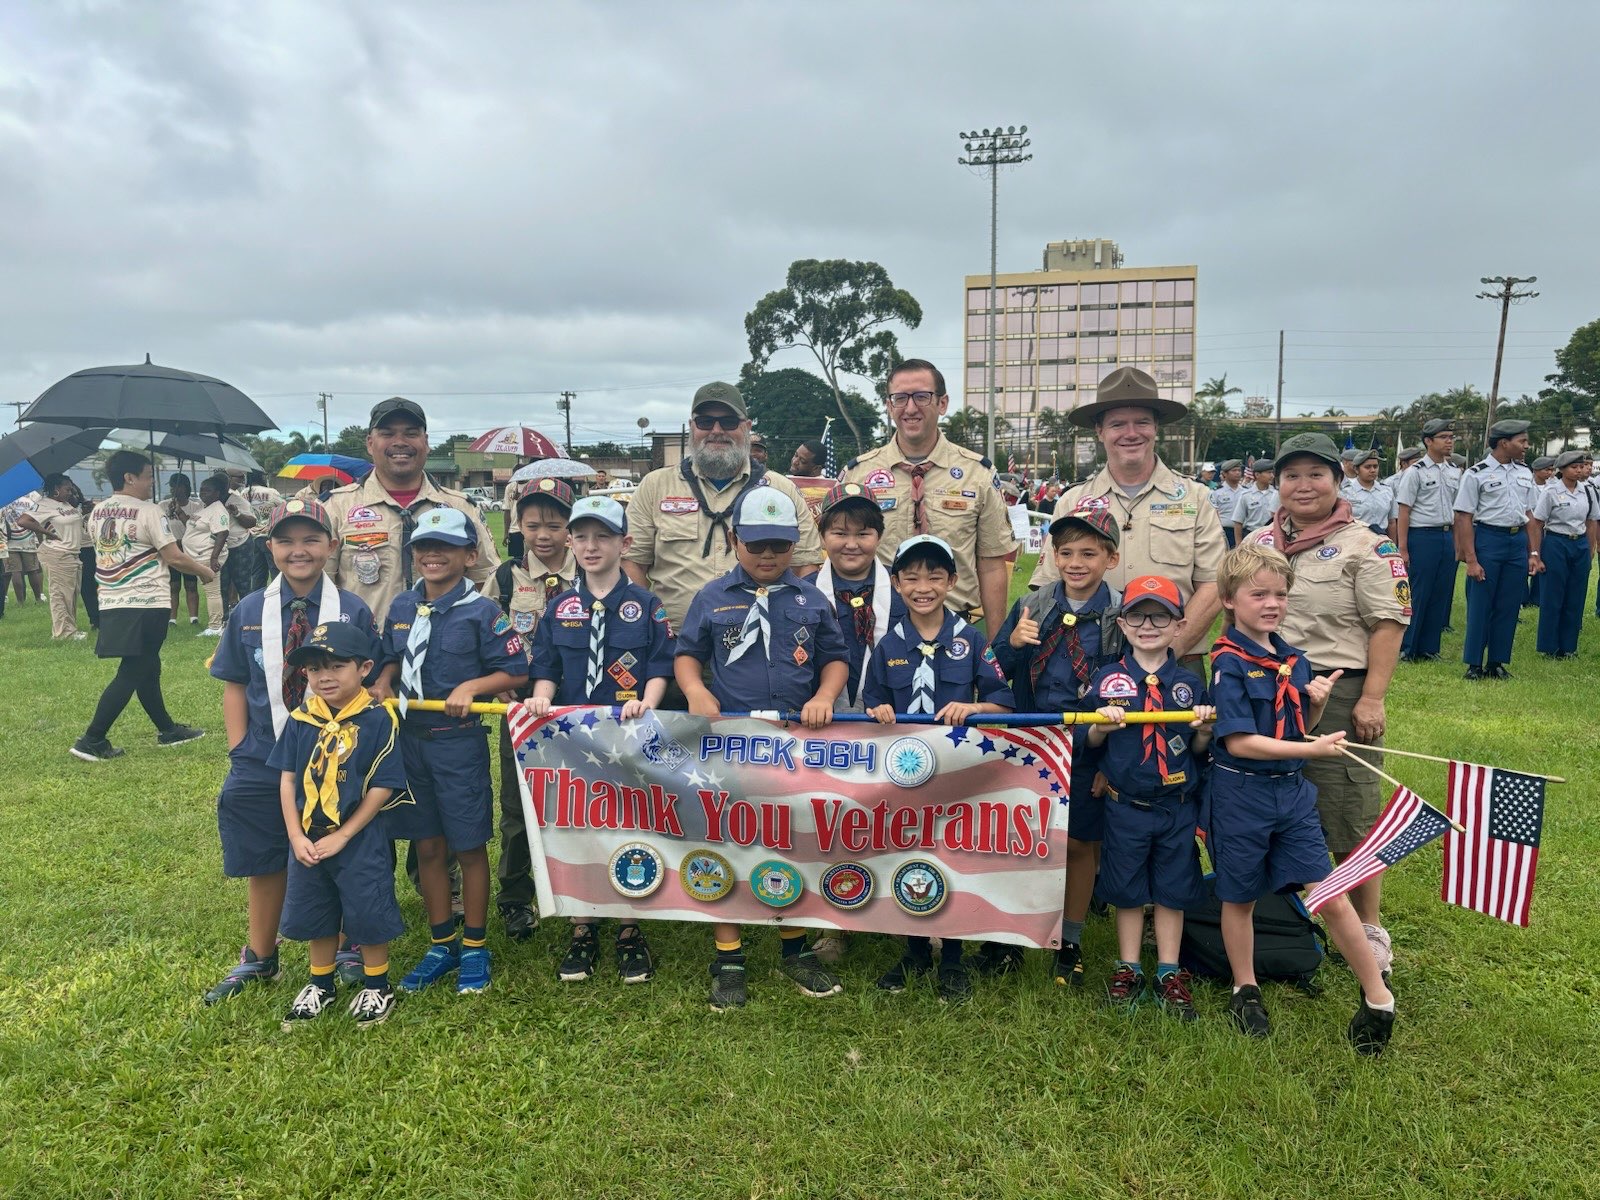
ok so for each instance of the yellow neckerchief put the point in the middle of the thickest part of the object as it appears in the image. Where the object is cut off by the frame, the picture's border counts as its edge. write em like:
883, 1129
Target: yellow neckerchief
334, 745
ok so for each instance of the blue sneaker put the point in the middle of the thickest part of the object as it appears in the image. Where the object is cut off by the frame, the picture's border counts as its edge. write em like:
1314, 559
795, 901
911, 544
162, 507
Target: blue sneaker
438, 962
250, 970
474, 975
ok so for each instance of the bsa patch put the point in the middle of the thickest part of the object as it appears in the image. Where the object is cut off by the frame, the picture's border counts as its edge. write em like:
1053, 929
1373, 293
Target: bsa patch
909, 762
1119, 685
630, 610
1386, 549
1182, 695
679, 505
960, 648
624, 677
1397, 568
847, 885
776, 883
260, 658
880, 479
502, 624
523, 622
955, 472
731, 636
1265, 537
571, 609
1328, 552
706, 876
637, 870
362, 516
800, 656
919, 888
800, 600
1177, 746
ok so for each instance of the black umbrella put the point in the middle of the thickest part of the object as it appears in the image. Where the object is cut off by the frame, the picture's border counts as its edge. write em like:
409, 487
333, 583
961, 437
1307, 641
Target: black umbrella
35, 451
149, 397
205, 447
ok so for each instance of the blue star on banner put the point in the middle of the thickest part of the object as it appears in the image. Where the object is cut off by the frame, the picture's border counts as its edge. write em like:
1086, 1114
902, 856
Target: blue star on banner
1043, 772
564, 725
986, 745
957, 734
1009, 752
547, 732
590, 720
1028, 760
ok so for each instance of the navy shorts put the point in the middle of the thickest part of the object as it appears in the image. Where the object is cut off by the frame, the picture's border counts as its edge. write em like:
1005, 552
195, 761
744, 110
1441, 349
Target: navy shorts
250, 823
1149, 855
1265, 835
352, 892
1086, 812
448, 788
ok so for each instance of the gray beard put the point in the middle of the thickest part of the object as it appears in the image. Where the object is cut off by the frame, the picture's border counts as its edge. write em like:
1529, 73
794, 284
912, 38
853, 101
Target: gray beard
720, 464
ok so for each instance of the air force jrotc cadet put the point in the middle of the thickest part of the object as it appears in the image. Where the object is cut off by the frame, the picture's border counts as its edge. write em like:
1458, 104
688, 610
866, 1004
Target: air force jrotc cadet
1404, 459
1372, 503
1560, 536
928, 484
1256, 505
1426, 497
1226, 496
1491, 522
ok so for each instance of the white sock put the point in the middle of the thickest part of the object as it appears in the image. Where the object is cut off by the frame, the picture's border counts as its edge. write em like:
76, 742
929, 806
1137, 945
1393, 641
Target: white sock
1387, 1007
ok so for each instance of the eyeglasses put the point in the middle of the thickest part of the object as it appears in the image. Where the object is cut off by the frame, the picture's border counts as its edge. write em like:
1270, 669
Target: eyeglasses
727, 423
1156, 620
920, 399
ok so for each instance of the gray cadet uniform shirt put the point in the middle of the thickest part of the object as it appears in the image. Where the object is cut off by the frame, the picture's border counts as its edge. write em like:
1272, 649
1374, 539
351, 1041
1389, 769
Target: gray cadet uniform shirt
1223, 499
1563, 512
1496, 493
1429, 490
1255, 507
1370, 506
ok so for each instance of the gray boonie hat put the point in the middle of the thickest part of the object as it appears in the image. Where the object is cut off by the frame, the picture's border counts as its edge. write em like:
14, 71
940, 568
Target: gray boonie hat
1318, 445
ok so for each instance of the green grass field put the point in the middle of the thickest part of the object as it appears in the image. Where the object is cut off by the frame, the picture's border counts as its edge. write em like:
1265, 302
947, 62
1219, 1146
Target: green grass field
117, 1082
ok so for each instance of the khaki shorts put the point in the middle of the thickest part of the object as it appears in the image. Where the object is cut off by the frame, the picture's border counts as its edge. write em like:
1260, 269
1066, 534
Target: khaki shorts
1349, 797
22, 562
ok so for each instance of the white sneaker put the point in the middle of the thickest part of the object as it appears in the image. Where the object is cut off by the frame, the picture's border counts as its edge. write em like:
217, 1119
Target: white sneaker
1382, 948
209, 633
371, 1007
172, 620
308, 1005
79, 636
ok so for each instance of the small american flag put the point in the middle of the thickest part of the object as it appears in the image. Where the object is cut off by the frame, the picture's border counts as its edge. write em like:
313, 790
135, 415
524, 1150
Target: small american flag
1011, 462
1407, 824
1250, 468
830, 460
1490, 867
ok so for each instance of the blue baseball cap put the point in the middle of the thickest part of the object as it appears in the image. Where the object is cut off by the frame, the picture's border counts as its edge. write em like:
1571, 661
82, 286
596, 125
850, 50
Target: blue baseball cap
444, 524
766, 515
600, 508
928, 543
339, 639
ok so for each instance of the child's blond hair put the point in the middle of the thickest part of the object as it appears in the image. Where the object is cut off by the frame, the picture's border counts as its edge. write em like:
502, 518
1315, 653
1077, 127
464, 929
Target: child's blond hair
1240, 566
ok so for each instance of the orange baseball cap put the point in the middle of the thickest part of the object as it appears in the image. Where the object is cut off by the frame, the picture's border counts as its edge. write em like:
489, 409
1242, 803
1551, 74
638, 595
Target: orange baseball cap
1153, 587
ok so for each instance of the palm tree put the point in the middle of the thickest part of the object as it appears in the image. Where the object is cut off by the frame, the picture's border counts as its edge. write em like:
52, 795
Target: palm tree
302, 443
970, 428
1217, 389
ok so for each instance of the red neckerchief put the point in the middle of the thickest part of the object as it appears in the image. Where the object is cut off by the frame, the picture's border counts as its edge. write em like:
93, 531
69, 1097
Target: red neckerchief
1155, 737
1307, 539
1287, 699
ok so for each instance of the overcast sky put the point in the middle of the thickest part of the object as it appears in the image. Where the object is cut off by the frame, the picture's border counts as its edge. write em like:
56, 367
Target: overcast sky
481, 205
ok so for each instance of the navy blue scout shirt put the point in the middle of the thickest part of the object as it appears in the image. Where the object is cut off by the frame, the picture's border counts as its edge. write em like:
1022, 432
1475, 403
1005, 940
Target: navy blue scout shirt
844, 592
1246, 697
1130, 765
637, 647
239, 660
1058, 688
470, 639
963, 665
783, 675
371, 760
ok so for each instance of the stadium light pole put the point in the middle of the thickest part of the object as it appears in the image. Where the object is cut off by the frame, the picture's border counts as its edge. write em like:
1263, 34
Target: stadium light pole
1507, 295
994, 148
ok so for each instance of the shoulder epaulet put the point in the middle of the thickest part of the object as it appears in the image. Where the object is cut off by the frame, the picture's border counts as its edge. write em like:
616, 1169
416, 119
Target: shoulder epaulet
1476, 467
453, 492
851, 464
985, 462
347, 487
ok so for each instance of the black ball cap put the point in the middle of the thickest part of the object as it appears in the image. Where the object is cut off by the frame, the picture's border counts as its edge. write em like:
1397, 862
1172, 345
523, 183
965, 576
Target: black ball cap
396, 405
340, 639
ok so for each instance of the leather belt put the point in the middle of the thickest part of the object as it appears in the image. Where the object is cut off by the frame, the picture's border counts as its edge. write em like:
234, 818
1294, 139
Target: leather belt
1499, 528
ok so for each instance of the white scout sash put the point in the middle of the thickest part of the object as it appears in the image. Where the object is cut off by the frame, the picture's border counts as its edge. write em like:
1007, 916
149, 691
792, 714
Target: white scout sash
272, 640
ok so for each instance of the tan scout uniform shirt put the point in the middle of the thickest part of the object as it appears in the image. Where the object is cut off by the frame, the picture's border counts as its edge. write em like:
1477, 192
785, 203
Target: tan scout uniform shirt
531, 591
1175, 531
960, 504
1342, 589
66, 521
669, 533
368, 524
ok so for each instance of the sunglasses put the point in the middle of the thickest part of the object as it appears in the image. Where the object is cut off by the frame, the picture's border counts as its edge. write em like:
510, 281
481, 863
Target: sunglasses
727, 423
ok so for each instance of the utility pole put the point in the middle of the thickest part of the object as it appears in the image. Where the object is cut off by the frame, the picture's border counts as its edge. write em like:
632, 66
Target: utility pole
1507, 295
565, 405
994, 148
1277, 427
19, 405
322, 403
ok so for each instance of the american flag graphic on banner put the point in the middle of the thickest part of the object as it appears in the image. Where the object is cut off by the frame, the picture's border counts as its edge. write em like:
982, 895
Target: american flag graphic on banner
946, 832
1406, 824
1490, 867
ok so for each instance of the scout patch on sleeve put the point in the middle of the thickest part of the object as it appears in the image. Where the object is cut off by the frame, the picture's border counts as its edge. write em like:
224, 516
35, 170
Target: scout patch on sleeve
1386, 549
502, 624
1397, 568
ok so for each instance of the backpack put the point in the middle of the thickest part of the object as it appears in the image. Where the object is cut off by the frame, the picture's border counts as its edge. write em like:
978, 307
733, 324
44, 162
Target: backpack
1289, 944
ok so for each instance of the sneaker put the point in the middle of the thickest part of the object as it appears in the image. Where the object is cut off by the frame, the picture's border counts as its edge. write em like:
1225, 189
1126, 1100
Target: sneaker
178, 735
192, 621
1370, 1029
95, 749
349, 968
1174, 998
1126, 989
458, 911
810, 976
1498, 671
1069, 965
248, 970
78, 637
172, 620
634, 962
1249, 1013
372, 1007
474, 977
955, 983
438, 962
728, 986
1474, 673
904, 972
998, 958
578, 965
209, 631
521, 921
308, 1005
1382, 948
830, 947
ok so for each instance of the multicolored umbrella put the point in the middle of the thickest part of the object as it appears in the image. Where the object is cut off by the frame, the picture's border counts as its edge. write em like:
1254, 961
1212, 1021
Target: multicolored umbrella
325, 466
518, 440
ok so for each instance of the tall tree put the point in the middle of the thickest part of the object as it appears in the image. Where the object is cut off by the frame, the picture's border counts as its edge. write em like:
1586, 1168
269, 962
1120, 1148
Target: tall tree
1206, 416
1058, 435
790, 405
970, 428
302, 443
1217, 389
1579, 361
351, 442
840, 311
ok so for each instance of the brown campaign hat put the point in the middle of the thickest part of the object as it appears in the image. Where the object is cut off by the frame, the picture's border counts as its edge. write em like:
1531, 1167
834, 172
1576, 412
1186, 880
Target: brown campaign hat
1127, 387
